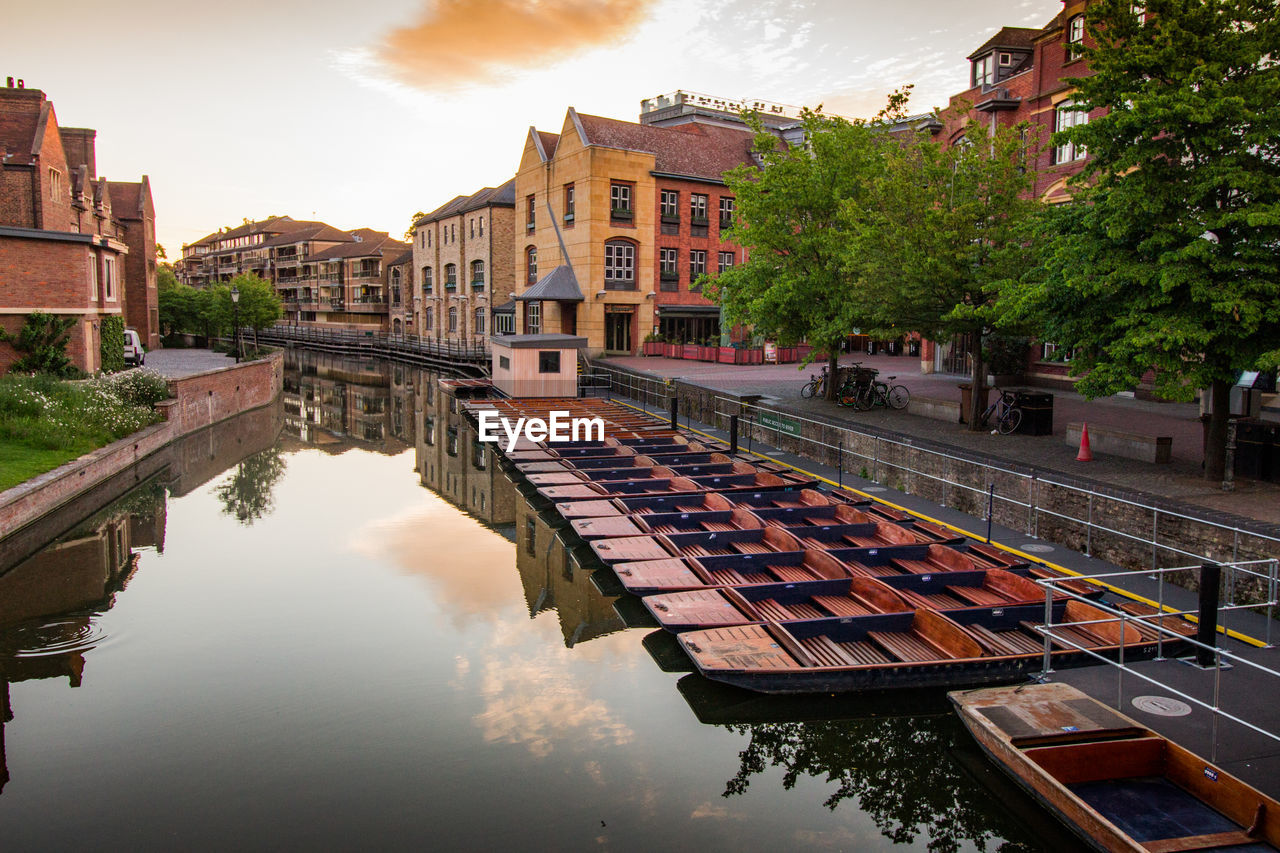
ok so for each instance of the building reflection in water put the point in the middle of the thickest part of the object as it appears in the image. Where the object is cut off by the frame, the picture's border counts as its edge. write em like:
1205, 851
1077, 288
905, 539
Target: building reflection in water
49, 602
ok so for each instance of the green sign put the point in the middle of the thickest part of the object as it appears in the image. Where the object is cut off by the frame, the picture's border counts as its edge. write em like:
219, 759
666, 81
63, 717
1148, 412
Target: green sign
781, 423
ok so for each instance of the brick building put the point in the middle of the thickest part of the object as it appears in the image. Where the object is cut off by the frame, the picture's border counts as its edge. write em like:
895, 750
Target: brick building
616, 221
402, 302
463, 254
352, 280
66, 234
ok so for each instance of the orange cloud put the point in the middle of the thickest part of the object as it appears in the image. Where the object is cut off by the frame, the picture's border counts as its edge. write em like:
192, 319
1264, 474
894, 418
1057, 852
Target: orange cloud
462, 42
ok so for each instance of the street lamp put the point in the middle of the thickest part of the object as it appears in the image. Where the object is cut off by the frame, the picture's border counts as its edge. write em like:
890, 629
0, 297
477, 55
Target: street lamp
235, 318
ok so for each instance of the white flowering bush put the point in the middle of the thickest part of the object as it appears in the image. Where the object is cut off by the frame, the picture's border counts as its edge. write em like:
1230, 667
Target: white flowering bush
139, 387
45, 413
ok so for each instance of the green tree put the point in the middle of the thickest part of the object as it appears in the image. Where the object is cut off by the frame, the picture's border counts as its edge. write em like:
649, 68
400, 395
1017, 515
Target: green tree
182, 308
247, 493
408, 232
794, 285
43, 340
940, 235
1167, 261
259, 306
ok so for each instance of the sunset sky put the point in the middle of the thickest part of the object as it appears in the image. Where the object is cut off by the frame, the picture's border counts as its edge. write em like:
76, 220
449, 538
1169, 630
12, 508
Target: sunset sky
361, 113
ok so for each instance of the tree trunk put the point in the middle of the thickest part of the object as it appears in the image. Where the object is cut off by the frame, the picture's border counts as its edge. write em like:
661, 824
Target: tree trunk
1215, 448
833, 364
979, 380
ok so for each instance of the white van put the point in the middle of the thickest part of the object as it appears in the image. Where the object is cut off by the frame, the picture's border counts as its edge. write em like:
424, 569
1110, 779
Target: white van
133, 353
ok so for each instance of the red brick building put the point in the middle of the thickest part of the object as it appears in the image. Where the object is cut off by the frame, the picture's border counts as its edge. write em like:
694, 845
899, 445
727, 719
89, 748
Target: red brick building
65, 248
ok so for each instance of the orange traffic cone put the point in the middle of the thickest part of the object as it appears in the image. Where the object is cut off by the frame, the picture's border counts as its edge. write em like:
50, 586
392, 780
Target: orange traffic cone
1085, 454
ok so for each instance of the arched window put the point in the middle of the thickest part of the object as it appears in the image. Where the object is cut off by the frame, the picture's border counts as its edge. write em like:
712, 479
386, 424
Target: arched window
450, 275
531, 264
477, 273
453, 319
426, 279
479, 322
619, 265
395, 277
396, 326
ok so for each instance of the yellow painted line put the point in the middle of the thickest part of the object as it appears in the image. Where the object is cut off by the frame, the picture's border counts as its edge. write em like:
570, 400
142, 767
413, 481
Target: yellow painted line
1133, 596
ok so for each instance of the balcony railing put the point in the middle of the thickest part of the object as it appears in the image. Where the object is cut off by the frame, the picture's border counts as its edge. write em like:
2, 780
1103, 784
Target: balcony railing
365, 273
367, 306
477, 284
335, 277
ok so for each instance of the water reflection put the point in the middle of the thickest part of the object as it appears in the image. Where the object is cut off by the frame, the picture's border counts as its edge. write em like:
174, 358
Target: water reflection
246, 495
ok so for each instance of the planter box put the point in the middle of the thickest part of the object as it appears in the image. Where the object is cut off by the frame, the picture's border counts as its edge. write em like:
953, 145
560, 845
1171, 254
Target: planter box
727, 355
750, 356
691, 352
653, 347
671, 350
708, 353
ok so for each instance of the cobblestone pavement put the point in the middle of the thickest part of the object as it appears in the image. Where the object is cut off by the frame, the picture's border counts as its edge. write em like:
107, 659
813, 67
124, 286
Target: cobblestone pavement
1179, 480
174, 363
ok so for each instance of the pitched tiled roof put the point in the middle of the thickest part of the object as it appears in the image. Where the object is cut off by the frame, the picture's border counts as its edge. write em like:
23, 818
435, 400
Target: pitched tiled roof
312, 231
559, 285
694, 150
503, 196
549, 142
405, 257
1016, 37
372, 244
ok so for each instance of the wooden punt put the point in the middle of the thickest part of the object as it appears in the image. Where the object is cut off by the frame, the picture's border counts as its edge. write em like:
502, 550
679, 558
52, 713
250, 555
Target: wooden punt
957, 590
917, 649
679, 502
839, 536
913, 558
660, 486
699, 543
789, 602
707, 521
675, 573
599, 462
637, 471
1115, 783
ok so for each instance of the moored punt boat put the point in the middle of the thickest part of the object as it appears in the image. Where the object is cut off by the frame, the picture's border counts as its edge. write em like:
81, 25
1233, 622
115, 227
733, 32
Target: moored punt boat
918, 649
675, 573
651, 470
615, 461
626, 507
620, 526
757, 480
1114, 782
700, 543
784, 602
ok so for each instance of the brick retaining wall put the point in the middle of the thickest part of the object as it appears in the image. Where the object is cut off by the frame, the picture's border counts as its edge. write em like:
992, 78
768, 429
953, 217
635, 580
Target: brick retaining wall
199, 401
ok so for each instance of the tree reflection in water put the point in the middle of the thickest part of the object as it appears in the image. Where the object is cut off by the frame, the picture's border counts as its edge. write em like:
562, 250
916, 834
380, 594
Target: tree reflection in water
247, 493
899, 770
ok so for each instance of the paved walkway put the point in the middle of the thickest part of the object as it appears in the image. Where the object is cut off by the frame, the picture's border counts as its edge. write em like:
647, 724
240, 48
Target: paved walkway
1179, 480
175, 363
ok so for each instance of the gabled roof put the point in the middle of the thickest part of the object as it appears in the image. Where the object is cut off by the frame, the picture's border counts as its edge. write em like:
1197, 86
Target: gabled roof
1016, 38
546, 142
503, 196
405, 257
373, 244
559, 285
126, 199
24, 115
692, 150
313, 231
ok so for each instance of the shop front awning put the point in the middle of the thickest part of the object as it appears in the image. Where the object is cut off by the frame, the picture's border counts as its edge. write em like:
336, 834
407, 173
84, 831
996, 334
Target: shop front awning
559, 285
672, 311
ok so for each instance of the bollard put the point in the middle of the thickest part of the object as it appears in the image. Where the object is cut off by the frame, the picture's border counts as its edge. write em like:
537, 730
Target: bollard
675, 412
733, 434
1207, 630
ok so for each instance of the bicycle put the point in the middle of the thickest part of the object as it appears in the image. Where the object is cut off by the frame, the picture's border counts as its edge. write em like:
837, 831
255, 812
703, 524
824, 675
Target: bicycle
878, 393
1008, 415
816, 386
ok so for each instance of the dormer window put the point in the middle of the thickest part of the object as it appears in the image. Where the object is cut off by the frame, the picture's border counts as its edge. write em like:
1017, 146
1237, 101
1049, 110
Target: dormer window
1006, 59
984, 72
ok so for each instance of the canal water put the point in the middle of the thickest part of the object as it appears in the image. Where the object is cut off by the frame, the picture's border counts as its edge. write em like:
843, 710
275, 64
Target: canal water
338, 623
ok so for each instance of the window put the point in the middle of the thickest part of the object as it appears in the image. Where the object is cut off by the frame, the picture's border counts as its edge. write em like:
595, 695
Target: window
428, 238
1068, 116
479, 321
727, 209
1075, 36
481, 226
619, 265
504, 324
726, 261
697, 266
670, 205
55, 183
471, 225
1006, 59
453, 319
668, 269
1056, 352
450, 275
548, 361
477, 274
530, 218
93, 276
453, 233
531, 265
569, 203
395, 287
430, 320
1139, 11
109, 278
426, 280
698, 209
532, 318
984, 71
620, 201
504, 363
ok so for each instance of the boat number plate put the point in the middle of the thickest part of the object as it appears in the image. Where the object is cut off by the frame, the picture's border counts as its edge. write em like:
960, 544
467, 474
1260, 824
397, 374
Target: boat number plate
1211, 774
999, 611
926, 578
873, 552
1164, 706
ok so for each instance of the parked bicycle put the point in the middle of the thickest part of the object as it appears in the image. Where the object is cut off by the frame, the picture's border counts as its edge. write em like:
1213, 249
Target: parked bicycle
816, 386
1008, 415
877, 393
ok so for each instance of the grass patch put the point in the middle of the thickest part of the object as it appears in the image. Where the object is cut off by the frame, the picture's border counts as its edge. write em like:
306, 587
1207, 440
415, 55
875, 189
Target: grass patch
45, 421
19, 463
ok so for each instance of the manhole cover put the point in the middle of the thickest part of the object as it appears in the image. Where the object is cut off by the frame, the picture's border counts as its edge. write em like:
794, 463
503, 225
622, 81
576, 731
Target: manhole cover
1036, 548
874, 489
1165, 706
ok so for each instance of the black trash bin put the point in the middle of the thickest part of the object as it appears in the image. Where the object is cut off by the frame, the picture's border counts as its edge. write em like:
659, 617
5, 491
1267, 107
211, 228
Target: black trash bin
1037, 412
